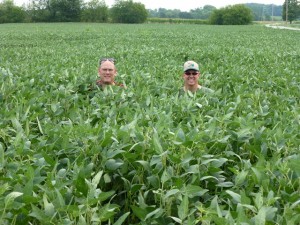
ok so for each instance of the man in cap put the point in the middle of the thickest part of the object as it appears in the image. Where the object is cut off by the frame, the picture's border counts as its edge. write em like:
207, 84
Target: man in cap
191, 76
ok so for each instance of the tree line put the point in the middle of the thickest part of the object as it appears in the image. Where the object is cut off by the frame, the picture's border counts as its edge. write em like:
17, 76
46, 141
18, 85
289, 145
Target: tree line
73, 11
259, 11
127, 11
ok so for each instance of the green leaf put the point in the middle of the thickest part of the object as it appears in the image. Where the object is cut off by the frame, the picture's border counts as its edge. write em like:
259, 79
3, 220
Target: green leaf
259, 200
113, 164
48, 206
105, 213
154, 181
251, 207
145, 164
81, 185
183, 208
11, 197
49, 159
81, 220
260, 218
17, 125
122, 219
39, 125
215, 205
107, 178
227, 116
165, 176
3, 188
258, 174
180, 136
2, 161
156, 143
241, 177
96, 178
139, 212
59, 199
177, 220
170, 193
244, 198
105, 195
295, 165
156, 213
193, 190
241, 215
234, 195
38, 214
62, 173
225, 184
112, 154
215, 162
209, 177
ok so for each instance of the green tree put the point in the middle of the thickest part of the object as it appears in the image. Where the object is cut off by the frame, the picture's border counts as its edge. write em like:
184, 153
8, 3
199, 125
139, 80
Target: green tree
65, 10
264, 12
217, 17
9, 13
162, 13
128, 12
185, 15
293, 10
232, 15
94, 11
202, 13
168, 13
39, 11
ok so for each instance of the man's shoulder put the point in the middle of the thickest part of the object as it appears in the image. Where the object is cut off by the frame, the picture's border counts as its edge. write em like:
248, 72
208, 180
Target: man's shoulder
99, 83
205, 89
119, 84
201, 89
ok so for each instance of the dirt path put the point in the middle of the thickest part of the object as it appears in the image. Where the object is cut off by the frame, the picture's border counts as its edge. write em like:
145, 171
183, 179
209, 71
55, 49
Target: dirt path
282, 27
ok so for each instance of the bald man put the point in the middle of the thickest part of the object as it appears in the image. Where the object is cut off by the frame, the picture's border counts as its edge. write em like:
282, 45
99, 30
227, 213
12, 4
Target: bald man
107, 72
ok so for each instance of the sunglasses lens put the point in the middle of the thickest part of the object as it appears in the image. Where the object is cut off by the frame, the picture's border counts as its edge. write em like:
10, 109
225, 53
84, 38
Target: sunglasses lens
107, 59
189, 73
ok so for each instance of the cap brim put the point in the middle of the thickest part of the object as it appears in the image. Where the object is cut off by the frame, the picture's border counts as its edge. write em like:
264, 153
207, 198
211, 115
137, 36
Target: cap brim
190, 69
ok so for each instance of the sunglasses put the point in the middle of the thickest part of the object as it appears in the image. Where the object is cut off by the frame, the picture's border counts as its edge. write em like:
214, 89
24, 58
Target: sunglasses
107, 59
191, 73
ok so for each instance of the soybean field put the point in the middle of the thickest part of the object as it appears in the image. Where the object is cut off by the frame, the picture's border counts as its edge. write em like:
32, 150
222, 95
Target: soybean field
144, 154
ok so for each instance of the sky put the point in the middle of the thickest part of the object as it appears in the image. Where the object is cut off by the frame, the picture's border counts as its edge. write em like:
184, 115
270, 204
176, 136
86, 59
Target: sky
182, 5
187, 5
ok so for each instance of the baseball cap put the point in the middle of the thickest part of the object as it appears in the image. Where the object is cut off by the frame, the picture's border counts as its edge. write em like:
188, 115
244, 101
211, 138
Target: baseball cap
190, 65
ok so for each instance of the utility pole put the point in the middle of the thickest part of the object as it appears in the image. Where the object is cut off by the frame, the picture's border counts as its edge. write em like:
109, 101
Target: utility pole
286, 10
272, 11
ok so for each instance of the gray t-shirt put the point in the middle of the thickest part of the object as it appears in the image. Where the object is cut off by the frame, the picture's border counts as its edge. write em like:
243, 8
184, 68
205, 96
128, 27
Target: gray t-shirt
201, 89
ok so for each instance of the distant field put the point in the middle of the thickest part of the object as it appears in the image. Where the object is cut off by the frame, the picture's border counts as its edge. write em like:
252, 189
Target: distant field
144, 155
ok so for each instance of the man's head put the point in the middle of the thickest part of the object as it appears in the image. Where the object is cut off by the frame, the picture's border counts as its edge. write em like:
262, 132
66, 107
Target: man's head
191, 73
190, 65
107, 71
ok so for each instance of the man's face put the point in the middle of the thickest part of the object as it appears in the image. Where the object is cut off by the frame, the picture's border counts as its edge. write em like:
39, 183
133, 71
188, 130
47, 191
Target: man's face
107, 72
191, 77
